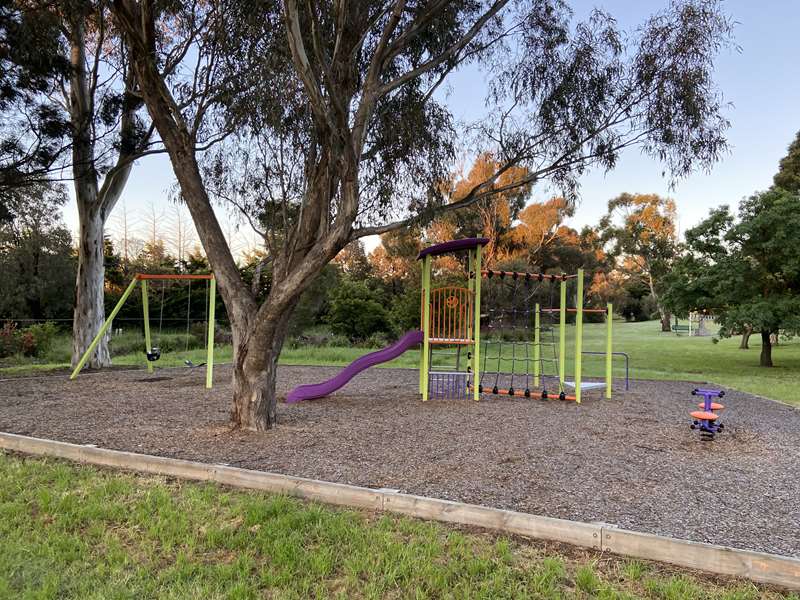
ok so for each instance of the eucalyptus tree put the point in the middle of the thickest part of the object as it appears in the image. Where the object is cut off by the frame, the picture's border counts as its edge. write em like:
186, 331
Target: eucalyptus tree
342, 129
83, 122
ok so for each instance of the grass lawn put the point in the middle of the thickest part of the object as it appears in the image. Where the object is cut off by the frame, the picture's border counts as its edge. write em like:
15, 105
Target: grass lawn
72, 531
653, 355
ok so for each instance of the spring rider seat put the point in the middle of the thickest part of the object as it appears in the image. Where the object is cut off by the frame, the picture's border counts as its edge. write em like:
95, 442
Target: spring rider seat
706, 420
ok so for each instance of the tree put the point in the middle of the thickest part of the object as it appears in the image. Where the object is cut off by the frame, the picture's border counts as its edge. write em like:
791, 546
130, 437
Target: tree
36, 262
788, 175
540, 224
96, 134
31, 130
641, 229
744, 269
493, 215
335, 110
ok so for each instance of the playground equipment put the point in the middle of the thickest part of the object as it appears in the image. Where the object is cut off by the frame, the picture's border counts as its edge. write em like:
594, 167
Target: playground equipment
451, 323
706, 420
451, 326
452, 317
318, 390
153, 351
701, 323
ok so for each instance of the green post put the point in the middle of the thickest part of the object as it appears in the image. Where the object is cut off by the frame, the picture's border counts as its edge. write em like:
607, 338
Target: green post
103, 330
146, 314
579, 337
426, 327
212, 304
476, 334
562, 335
609, 349
537, 342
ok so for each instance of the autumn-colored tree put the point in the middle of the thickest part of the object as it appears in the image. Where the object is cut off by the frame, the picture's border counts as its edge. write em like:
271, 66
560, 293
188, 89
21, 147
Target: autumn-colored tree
492, 216
352, 260
641, 231
394, 261
539, 225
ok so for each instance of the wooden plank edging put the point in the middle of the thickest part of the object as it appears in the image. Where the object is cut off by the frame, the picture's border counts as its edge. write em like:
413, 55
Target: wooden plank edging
759, 566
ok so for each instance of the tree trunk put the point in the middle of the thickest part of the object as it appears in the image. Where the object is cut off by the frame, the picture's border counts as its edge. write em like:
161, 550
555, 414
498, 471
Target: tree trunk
666, 320
255, 368
89, 300
745, 344
766, 349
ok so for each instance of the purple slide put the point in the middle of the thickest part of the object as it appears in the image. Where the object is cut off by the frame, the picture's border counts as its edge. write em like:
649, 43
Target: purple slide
318, 390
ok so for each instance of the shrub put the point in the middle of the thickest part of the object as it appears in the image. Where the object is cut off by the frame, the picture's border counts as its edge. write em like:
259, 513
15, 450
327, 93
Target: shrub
357, 312
37, 340
405, 313
9, 339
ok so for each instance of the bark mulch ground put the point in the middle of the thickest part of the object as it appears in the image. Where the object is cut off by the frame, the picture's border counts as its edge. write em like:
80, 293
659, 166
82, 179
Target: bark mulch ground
630, 461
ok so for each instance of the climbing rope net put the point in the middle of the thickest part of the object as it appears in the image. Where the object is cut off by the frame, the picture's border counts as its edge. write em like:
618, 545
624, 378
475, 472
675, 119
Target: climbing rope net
519, 347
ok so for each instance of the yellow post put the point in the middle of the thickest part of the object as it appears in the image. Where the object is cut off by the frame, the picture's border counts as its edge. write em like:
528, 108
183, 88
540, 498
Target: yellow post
212, 305
476, 334
579, 338
537, 342
103, 330
562, 336
426, 326
146, 314
609, 348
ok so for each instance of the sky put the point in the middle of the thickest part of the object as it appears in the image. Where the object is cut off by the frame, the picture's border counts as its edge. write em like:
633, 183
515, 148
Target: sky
760, 81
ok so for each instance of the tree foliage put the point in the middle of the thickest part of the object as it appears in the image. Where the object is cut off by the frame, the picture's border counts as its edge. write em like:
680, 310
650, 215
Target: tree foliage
788, 175
36, 259
640, 229
31, 61
744, 268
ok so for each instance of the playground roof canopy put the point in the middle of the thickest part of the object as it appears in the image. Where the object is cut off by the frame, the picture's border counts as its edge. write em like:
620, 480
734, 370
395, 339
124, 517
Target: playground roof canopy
452, 246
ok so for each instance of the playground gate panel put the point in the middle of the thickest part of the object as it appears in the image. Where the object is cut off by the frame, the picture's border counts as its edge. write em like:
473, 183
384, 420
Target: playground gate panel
451, 315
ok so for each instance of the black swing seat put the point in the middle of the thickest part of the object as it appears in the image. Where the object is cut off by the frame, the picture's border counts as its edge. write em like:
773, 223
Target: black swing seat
154, 354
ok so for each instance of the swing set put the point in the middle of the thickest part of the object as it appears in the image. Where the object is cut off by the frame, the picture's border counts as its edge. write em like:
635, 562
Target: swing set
153, 352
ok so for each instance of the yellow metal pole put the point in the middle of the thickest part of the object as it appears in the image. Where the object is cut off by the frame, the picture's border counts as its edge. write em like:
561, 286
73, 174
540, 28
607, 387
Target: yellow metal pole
609, 348
537, 342
426, 326
103, 330
212, 305
146, 314
476, 334
562, 336
579, 338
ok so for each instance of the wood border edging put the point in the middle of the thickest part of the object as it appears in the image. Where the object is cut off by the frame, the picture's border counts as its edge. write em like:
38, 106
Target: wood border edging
766, 568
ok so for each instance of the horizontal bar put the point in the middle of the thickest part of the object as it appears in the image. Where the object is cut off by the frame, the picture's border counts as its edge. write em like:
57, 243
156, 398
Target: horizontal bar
141, 276
454, 341
534, 394
525, 275
574, 310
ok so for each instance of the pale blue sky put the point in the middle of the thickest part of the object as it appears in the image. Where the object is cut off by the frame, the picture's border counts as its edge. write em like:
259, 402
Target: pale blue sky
761, 82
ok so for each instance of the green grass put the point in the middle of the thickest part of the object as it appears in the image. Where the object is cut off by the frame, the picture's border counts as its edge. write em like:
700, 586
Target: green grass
73, 531
653, 355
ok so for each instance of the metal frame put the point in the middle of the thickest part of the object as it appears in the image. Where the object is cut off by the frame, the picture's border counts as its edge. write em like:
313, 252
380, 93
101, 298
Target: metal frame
144, 278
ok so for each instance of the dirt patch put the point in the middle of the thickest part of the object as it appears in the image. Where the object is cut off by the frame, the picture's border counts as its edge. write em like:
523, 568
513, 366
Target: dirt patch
630, 461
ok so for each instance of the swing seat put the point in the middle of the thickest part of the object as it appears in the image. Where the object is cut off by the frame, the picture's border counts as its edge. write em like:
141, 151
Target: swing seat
154, 354
702, 415
714, 406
